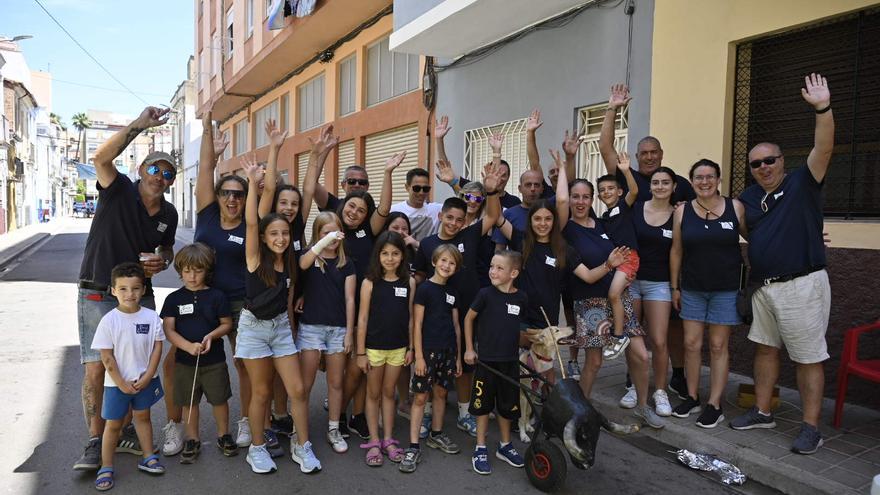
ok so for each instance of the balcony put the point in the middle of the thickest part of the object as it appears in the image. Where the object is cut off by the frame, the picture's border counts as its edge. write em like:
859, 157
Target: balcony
451, 28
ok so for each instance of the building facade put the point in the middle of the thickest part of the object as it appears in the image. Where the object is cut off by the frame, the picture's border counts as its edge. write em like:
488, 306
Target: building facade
186, 139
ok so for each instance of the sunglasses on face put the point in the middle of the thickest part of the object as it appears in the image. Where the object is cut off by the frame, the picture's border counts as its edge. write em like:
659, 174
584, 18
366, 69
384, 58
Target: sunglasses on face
419, 189
770, 160
155, 169
235, 194
472, 197
360, 182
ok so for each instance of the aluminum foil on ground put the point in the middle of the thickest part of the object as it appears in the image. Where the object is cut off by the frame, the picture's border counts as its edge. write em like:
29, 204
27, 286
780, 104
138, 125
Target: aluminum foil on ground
730, 474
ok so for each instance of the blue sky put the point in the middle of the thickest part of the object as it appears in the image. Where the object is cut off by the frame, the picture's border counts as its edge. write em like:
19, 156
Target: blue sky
144, 43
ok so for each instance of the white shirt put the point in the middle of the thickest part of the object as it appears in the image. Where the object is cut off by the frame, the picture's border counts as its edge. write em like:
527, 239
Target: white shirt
131, 336
424, 221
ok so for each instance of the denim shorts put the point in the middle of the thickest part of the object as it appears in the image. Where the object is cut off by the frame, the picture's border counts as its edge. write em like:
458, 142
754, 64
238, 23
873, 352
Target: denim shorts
325, 338
713, 307
258, 338
91, 306
116, 402
647, 290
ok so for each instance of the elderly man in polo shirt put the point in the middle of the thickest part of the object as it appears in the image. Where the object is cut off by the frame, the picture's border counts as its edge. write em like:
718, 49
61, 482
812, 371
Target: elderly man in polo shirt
133, 222
787, 256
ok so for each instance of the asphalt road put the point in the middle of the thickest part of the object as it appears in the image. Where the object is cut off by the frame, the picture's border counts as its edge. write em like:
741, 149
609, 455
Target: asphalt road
42, 430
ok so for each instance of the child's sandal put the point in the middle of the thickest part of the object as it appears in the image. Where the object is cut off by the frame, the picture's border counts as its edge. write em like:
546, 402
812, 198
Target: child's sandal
374, 453
151, 465
391, 449
104, 481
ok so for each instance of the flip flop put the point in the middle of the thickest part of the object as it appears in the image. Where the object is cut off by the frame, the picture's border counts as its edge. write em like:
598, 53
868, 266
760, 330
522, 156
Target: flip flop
104, 481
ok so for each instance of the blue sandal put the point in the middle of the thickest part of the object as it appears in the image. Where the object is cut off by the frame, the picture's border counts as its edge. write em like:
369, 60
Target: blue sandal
151, 465
104, 481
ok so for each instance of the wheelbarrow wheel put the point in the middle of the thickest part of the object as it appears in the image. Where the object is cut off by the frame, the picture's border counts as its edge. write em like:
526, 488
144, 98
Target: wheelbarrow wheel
546, 466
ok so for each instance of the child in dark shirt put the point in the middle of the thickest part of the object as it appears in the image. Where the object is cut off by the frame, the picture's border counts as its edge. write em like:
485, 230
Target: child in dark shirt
501, 309
194, 316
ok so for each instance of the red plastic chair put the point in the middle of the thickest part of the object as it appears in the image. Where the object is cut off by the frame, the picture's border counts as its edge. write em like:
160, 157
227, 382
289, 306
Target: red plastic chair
850, 364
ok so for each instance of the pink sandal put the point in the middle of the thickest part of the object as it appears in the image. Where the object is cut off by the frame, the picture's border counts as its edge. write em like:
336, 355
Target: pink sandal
374, 453
391, 449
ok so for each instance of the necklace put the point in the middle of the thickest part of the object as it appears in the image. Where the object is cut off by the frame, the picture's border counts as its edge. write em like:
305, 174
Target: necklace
709, 211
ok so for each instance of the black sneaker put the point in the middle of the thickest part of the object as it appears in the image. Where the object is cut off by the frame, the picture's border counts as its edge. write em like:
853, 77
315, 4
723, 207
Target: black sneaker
128, 441
343, 429
686, 408
808, 440
227, 445
91, 458
191, 449
679, 386
272, 444
282, 425
358, 424
711, 417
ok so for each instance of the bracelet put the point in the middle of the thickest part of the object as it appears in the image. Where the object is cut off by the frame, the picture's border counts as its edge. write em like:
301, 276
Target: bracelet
608, 266
824, 109
493, 193
381, 215
611, 108
496, 155
502, 223
454, 182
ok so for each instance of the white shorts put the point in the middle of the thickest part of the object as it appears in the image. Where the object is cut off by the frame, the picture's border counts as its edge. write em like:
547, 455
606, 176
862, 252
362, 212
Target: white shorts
794, 314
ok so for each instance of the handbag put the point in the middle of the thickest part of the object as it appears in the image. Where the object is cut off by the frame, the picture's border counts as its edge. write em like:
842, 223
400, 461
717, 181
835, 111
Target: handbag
744, 295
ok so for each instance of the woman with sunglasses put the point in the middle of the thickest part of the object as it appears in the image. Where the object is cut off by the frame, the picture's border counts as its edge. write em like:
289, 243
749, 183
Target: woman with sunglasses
705, 265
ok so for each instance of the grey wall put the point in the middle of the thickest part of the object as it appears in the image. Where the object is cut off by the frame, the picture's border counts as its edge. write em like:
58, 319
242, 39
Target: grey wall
556, 70
408, 10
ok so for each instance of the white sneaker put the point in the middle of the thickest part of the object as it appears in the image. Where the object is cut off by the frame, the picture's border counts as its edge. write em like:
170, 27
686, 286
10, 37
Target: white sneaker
629, 400
661, 403
334, 438
260, 460
243, 439
305, 457
173, 438
615, 348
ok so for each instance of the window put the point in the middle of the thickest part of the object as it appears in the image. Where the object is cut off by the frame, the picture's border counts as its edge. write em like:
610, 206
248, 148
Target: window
347, 85
202, 76
227, 153
262, 115
768, 106
229, 32
311, 103
269, 4
240, 135
215, 53
201, 8
389, 74
285, 111
589, 160
477, 151
249, 13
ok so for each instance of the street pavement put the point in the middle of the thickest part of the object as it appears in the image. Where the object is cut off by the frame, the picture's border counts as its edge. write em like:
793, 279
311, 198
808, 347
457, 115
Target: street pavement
43, 431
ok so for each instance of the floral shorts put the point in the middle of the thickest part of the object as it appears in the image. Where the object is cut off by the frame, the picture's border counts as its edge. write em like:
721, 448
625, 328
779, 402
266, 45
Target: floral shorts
594, 321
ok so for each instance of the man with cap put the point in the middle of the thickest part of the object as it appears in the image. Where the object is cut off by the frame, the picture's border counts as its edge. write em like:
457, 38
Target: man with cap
133, 222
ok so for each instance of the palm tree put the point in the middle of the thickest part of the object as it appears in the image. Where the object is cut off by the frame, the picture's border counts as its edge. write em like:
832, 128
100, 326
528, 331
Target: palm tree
56, 119
81, 122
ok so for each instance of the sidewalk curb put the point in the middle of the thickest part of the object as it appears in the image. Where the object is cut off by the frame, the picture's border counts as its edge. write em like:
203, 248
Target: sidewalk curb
11, 253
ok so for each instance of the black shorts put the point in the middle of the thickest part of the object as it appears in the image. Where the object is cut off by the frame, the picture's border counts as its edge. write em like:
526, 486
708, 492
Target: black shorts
440, 371
491, 392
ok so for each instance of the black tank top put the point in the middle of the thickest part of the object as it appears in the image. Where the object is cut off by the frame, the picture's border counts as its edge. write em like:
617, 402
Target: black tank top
266, 302
712, 257
388, 323
654, 245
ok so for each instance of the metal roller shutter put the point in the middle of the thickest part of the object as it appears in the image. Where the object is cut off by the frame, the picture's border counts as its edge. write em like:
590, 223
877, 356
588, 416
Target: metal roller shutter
345, 152
302, 163
384, 144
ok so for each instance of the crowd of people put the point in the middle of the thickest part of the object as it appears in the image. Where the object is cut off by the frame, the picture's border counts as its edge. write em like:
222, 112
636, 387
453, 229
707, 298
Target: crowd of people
400, 303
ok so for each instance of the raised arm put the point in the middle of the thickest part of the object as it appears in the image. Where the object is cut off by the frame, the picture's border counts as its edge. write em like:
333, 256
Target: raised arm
618, 99
276, 139
532, 124
562, 200
113, 147
446, 174
491, 181
570, 145
377, 220
251, 216
631, 184
310, 188
212, 146
817, 94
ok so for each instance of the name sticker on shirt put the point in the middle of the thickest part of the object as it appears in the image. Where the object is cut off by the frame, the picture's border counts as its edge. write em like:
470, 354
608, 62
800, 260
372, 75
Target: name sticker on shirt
461, 247
400, 291
185, 309
450, 299
550, 261
288, 283
512, 309
296, 246
667, 233
605, 236
161, 227
778, 195
727, 225
142, 328
614, 211
317, 264
236, 239
360, 234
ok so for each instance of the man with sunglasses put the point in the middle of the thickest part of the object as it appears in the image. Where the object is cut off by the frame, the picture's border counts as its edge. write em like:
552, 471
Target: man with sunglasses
353, 179
791, 307
132, 222
424, 216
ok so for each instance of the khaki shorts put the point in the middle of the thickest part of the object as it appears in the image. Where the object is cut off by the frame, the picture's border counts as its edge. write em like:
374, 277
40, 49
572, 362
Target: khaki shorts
381, 357
212, 382
794, 314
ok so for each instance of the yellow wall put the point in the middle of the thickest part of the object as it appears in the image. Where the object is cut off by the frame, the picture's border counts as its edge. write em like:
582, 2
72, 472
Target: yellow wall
693, 61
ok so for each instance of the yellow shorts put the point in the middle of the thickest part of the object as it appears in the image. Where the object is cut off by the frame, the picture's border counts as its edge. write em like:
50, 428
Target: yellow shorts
380, 357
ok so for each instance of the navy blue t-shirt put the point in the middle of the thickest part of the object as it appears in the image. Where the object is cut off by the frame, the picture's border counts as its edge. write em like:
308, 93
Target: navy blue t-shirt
197, 314
684, 191
466, 280
388, 319
542, 281
358, 245
229, 260
711, 257
787, 239
618, 224
654, 245
593, 247
333, 203
438, 330
498, 323
324, 293
263, 301
517, 216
